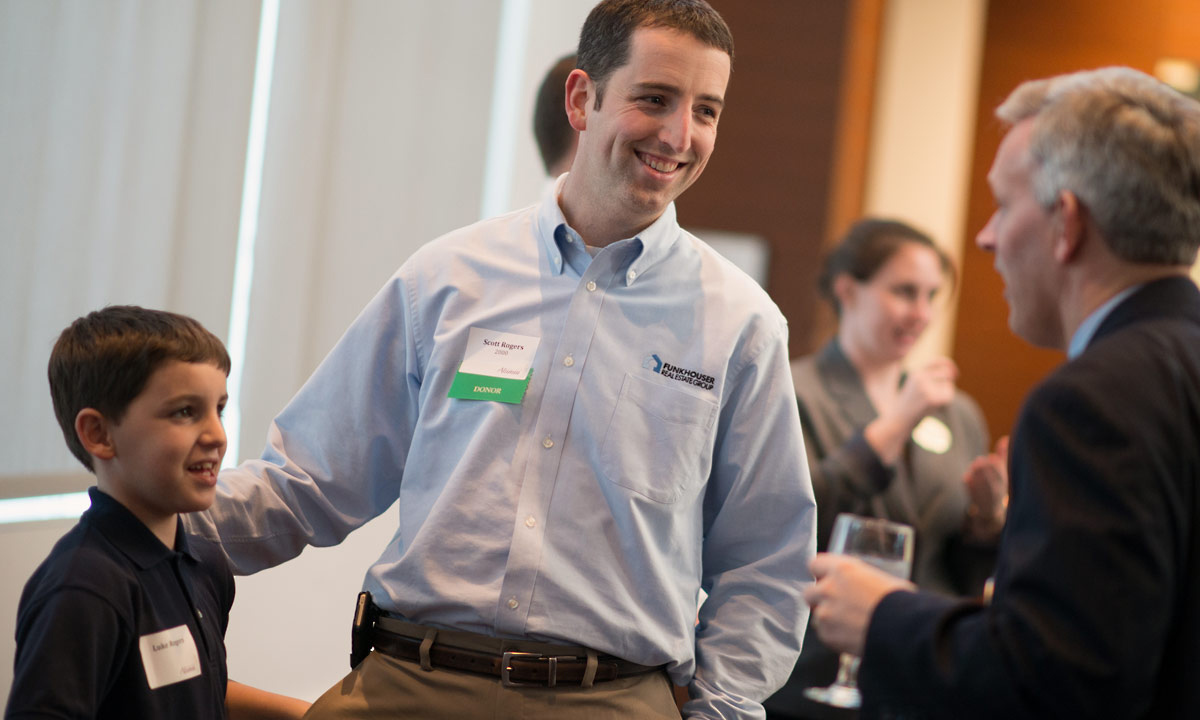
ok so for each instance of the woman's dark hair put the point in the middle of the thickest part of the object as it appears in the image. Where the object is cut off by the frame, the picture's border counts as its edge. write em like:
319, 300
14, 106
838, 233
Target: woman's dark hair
866, 246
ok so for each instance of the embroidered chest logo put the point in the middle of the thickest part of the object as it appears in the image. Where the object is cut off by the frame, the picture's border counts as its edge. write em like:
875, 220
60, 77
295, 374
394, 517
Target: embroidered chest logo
654, 363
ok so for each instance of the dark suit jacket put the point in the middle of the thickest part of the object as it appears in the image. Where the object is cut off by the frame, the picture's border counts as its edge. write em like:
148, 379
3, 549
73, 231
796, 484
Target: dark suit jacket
1096, 612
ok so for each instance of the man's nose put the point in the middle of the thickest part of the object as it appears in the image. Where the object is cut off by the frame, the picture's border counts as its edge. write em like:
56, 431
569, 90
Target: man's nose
985, 239
676, 132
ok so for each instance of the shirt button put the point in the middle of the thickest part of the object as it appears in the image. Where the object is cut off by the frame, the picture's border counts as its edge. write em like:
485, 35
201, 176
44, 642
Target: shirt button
513, 604
547, 443
530, 522
591, 286
568, 361
199, 614
629, 276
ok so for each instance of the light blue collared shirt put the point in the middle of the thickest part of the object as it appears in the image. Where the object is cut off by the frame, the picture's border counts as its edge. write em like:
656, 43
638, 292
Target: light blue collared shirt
657, 451
1087, 328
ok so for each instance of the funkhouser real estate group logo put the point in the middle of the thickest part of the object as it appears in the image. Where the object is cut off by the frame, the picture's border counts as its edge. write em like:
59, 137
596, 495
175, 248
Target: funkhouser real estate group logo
655, 364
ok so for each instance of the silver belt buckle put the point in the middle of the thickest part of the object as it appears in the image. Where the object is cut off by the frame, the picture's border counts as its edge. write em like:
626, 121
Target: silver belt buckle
506, 668
551, 668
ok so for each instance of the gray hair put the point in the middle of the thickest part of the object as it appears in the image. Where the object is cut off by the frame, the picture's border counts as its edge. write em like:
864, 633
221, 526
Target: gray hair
1128, 147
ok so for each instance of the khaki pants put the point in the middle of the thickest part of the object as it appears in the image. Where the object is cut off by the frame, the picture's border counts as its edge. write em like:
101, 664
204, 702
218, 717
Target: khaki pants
385, 687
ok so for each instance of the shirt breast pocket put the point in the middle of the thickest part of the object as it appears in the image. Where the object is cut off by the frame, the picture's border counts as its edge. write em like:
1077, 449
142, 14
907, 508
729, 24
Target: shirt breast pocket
657, 442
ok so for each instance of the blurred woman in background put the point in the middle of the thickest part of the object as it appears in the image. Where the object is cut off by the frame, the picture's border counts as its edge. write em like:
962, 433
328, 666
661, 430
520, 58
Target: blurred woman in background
891, 441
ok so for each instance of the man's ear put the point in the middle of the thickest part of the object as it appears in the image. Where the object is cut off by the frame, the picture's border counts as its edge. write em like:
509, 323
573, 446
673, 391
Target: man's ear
580, 97
1072, 227
93, 431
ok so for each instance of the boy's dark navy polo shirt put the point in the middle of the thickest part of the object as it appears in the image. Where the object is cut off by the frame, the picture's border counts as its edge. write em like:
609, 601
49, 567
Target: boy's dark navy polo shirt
106, 584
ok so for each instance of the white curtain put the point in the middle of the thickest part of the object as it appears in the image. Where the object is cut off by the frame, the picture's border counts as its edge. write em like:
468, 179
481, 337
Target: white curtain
122, 152
375, 146
123, 131
122, 135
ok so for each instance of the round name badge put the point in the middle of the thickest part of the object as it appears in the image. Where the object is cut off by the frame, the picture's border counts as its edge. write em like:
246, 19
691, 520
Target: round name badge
932, 434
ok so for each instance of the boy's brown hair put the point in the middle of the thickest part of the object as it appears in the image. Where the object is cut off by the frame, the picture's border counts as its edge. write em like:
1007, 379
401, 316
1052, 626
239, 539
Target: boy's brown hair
104, 359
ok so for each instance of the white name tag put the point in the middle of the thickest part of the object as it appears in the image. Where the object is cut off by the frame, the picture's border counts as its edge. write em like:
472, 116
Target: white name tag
498, 354
169, 656
497, 366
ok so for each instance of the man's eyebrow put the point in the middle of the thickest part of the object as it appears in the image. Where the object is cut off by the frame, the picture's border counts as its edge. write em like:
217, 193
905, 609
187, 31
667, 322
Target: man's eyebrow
674, 90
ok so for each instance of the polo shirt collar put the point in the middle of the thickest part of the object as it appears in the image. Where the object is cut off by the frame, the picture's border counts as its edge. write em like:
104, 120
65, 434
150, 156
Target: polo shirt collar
129, 534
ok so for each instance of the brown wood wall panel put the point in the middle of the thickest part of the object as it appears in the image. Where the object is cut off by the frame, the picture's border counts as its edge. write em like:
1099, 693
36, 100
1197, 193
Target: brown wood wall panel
1028, 39
770, 173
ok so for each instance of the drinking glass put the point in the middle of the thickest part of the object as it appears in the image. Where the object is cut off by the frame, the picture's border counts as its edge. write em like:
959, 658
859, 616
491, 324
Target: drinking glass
888, 546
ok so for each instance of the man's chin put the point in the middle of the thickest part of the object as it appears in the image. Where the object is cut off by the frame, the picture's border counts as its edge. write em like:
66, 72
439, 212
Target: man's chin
649, 204
655, 199
1034, 334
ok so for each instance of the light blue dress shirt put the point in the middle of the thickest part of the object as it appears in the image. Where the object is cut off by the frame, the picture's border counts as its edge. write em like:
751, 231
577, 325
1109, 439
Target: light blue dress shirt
657, 451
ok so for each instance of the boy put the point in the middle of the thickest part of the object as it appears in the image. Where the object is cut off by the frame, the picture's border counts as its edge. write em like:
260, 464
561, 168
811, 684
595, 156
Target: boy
126, 617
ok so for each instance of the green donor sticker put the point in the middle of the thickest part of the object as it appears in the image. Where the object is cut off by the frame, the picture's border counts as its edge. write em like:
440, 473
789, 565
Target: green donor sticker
485, 387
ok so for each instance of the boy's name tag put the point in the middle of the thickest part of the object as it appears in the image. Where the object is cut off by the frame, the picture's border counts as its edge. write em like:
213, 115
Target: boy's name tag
169, 656
497, 366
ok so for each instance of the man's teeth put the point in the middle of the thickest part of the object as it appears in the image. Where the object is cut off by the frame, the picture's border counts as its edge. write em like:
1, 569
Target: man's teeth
203, 467
660, 165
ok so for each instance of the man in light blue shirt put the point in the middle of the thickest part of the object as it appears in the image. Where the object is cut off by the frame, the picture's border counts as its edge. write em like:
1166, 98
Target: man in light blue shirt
587, 417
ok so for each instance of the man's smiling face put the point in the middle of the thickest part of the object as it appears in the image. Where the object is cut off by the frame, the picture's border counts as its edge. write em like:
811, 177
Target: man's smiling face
653, 129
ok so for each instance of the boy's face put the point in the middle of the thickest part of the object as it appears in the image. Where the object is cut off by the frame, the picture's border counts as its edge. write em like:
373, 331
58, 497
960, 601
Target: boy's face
168, 447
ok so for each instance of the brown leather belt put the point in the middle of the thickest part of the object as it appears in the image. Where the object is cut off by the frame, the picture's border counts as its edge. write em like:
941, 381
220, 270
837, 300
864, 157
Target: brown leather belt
512, 667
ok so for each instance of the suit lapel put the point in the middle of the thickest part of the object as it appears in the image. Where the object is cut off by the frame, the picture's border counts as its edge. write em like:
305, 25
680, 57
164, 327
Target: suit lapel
845, 386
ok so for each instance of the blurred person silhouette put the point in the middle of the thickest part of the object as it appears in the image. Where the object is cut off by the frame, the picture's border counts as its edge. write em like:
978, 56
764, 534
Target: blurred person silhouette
886, 442
556, 139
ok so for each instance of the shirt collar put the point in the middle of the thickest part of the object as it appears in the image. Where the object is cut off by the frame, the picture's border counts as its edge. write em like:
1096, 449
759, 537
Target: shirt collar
564, 247
129, 534
1087, 328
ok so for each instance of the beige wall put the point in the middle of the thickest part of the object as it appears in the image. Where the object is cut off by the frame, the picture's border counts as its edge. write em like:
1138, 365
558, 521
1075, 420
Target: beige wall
923, 133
